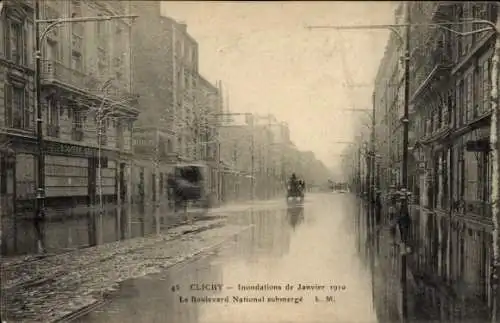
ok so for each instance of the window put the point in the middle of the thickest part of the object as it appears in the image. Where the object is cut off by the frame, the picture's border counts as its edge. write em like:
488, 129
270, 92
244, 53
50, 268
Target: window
52, 50
78, 120
76, 6
20, 119
119, 134
102, 61
76, 61
100, 29
169, 146
52, 113
451, 109
15, 41
485, 86
469, 97
444, 107
193, 57
460, 103
178, 49
77, 42
17, 113
119, 76
102, 138
440, 113
459, 17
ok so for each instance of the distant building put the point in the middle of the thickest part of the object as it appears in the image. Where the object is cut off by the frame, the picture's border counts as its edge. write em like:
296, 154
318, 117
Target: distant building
177, 104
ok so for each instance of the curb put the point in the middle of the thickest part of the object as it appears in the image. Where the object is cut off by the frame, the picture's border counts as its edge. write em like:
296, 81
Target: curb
82, 311
39, 281
200, 254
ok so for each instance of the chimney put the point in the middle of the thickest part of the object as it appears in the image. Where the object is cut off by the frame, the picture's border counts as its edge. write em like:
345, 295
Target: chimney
182, 26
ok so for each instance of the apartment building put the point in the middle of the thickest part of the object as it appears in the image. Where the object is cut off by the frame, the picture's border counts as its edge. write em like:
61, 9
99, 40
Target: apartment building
387, 99
176, 103
449, 157
238, 154
85, 67
208, 109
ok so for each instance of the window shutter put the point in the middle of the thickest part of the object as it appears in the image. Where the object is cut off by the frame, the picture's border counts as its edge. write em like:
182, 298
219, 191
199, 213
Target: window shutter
27, 109
25, 44
8, 104
7, 40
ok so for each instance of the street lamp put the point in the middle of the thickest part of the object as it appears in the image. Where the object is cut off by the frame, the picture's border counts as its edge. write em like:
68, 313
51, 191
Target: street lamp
39, 38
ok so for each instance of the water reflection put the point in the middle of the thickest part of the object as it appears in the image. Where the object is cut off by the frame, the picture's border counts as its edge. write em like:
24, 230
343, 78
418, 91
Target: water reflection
270, 236
155, 299
295, 215
318, 253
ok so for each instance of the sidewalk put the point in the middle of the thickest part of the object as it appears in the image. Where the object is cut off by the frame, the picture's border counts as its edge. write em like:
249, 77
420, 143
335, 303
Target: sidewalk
36, 288
49, 289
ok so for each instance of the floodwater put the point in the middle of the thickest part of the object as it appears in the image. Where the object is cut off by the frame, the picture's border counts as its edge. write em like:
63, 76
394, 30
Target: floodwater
297, 264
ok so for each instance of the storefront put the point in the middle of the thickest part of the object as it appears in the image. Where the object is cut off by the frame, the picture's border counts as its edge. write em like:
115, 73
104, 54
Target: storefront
71, 173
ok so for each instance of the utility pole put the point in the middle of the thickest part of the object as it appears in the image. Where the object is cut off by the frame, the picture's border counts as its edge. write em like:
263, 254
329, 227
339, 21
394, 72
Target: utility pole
405, 212
374, 172
252, 163
495, 189
40, 192
157, 179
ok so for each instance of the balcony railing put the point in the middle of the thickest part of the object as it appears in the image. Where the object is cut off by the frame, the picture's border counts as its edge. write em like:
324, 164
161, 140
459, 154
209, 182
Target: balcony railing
439, 58
53, 71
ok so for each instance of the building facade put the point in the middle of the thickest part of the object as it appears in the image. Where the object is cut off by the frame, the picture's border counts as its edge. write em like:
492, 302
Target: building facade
450, 84
85, 69
238, 154
208, 108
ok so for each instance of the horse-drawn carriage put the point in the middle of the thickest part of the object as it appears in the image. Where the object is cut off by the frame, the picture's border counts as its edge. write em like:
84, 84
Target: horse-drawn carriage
190, 185
295, 190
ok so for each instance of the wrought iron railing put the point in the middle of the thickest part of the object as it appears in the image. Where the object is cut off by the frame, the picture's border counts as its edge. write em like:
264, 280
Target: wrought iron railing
56, 71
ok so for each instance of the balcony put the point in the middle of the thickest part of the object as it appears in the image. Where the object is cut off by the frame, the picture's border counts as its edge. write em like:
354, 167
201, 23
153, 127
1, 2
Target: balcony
437, 64
55, 73
53, 130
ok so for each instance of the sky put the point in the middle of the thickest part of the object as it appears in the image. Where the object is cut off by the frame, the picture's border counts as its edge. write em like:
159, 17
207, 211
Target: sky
269, 62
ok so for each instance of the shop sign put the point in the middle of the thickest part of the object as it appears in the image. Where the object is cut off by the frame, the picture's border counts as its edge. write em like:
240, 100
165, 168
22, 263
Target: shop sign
64, 149
69, 149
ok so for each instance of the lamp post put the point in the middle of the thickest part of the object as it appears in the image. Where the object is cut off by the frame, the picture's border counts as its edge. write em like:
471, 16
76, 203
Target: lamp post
39, 38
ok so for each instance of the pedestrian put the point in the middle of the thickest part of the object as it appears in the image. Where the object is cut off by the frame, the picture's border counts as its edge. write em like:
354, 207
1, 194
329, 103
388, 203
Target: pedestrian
39, 223
392, 215
404, 224
378, 208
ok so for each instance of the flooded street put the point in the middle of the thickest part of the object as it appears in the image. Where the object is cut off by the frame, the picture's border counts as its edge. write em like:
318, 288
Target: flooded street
296, 264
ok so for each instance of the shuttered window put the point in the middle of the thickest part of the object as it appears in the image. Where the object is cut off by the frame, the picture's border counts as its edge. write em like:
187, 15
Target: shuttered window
8, 104
17, 108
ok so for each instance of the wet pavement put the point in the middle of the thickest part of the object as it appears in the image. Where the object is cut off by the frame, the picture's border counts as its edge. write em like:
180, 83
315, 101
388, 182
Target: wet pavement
296, 264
